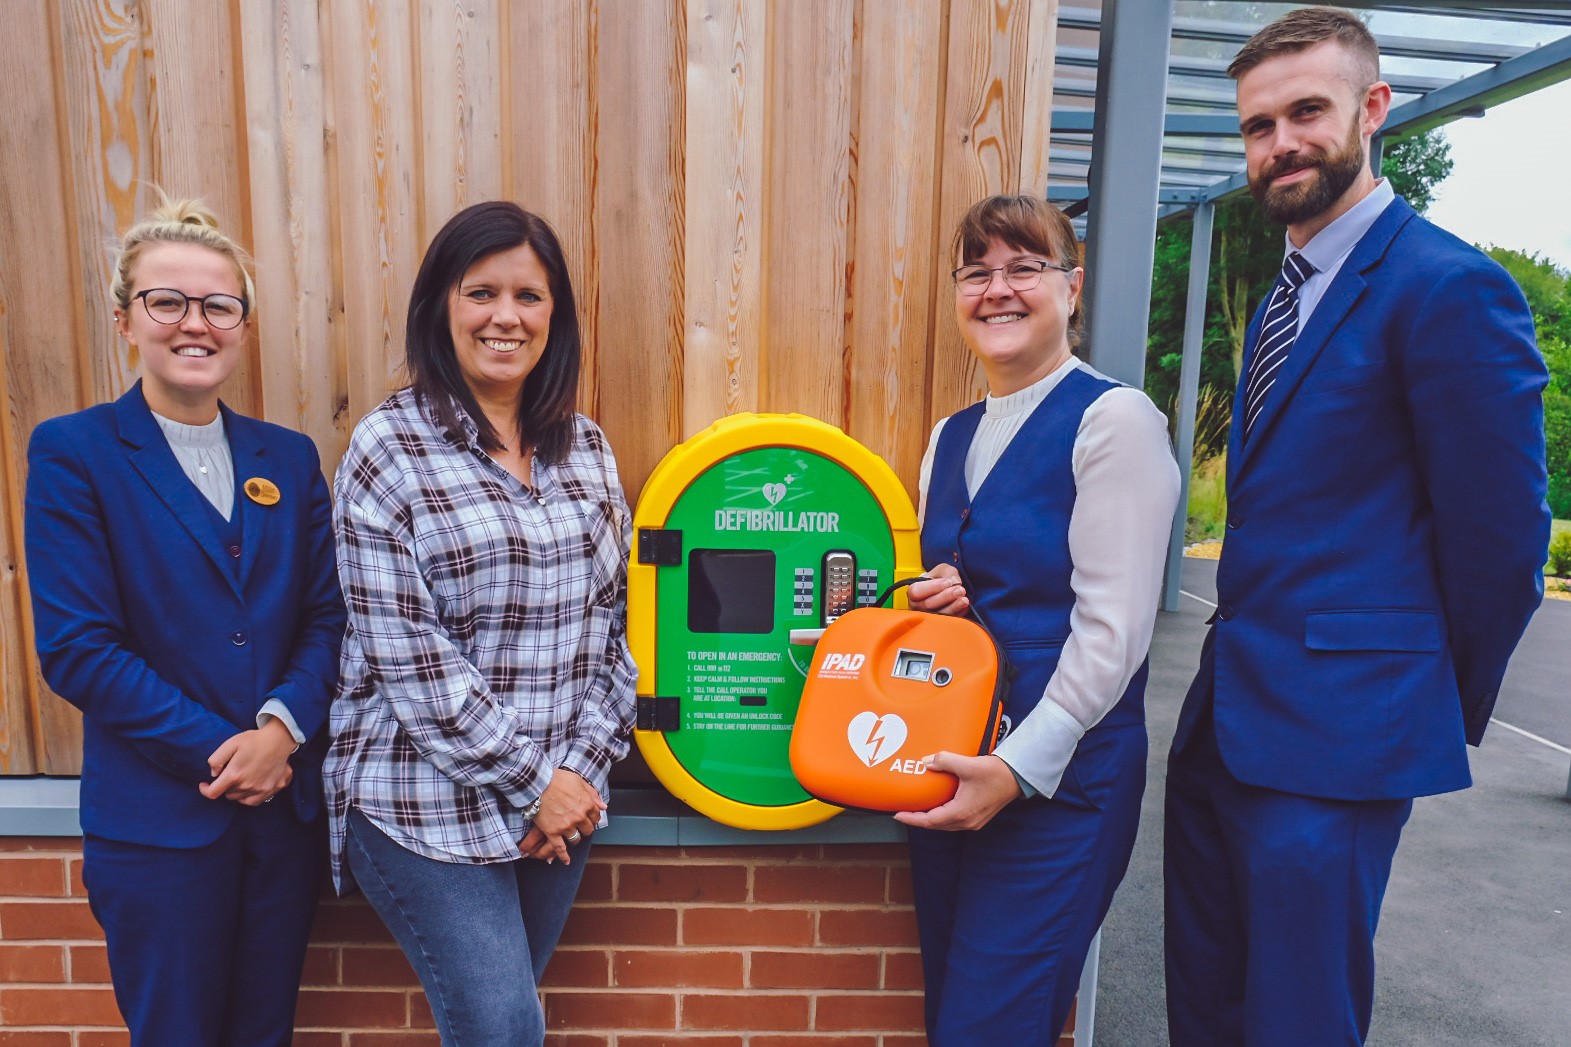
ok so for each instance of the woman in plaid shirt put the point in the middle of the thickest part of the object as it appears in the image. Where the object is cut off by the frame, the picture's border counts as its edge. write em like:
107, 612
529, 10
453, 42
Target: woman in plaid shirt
486, 684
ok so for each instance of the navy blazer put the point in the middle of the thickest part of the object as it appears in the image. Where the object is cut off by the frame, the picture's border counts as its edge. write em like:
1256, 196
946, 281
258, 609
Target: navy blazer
143, 623
1386, 528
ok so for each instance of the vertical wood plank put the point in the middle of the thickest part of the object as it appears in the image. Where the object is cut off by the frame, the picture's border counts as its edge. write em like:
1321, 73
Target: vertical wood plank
638, 223
551, 59
199, 142
303, 382
20, 691
460, 102
106, 111
373, 163
724, 206
981, 148
808, 203
893, 272
42, 365
1036, 122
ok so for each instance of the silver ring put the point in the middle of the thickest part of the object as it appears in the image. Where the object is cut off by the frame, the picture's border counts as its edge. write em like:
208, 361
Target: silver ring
268, 800
575, 837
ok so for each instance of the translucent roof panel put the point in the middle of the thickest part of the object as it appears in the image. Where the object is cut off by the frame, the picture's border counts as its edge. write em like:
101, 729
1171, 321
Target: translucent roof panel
1444, 60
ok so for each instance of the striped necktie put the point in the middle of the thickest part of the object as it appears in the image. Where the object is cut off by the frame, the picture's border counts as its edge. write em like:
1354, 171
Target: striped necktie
1277, 333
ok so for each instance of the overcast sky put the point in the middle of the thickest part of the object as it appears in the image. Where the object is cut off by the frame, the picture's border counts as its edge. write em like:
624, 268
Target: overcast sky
1511, 185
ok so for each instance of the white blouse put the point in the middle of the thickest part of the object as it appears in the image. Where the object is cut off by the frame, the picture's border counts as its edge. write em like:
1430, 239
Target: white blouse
1126, 489
203, 454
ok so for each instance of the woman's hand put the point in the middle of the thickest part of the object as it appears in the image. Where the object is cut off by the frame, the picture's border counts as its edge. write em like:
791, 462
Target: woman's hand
986, 786
940, 592
252, 766
569, 810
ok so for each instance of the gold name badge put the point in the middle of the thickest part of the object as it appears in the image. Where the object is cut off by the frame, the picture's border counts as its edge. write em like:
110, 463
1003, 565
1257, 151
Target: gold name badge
262, 491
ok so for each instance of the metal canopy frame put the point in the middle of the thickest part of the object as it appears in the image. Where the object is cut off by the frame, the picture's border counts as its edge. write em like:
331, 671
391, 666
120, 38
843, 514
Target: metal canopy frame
1148, 57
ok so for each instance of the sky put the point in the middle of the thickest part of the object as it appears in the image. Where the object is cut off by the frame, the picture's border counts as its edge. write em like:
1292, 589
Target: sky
1510, 187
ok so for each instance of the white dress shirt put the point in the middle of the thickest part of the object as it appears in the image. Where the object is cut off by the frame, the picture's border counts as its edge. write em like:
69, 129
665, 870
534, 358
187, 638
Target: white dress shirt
1329, 248
1126, 488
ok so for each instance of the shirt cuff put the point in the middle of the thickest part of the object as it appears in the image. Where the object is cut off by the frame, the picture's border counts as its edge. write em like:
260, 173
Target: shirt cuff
275, 708
1027, 790
1040, 746
532, 808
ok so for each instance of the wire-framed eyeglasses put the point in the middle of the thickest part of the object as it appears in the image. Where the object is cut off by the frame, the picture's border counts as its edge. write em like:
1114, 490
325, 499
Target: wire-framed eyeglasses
168, 306
1021, 275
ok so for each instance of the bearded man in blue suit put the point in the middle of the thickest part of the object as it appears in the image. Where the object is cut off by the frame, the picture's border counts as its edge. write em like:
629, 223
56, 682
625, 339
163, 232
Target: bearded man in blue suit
1386, 530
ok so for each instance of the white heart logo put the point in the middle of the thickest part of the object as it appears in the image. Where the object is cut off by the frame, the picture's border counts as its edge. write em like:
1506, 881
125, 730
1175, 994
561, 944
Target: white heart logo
774, 492
875, 738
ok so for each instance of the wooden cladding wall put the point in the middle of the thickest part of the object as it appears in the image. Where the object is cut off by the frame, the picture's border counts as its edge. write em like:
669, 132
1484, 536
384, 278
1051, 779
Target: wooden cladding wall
755, 198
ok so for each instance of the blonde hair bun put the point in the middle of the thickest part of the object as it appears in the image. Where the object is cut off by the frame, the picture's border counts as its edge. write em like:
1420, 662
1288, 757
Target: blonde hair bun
186, 221
185, 212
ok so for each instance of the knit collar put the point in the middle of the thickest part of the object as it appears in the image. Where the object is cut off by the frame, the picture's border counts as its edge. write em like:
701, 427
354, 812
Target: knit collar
1033, 394
196, 437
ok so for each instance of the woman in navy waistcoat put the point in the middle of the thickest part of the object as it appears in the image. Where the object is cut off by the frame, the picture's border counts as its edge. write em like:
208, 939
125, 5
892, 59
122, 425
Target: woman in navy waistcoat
1045, 514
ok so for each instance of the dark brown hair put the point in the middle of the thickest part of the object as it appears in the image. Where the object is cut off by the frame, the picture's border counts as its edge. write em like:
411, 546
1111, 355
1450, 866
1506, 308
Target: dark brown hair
1026, 223
545, 413
1302, 29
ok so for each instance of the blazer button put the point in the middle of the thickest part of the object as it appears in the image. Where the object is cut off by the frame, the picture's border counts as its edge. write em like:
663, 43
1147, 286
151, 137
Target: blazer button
234, 550
1234, 522
1224, 612
238, 639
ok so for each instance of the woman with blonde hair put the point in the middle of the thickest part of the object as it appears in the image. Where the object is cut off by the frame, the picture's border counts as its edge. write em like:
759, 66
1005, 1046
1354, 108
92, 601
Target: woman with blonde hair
181, 564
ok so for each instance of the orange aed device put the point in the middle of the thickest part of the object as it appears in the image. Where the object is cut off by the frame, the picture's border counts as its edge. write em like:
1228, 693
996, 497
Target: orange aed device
886, 688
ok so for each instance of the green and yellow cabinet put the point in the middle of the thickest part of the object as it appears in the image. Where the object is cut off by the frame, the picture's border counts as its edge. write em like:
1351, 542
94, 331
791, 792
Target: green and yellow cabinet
761, 526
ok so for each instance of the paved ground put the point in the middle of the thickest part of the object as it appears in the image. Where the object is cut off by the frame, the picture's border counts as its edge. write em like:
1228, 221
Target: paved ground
1475, 941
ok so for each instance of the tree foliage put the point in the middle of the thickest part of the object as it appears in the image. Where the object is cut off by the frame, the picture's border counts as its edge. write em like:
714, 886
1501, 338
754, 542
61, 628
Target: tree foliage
1416, 165
1547, 289
1557, 437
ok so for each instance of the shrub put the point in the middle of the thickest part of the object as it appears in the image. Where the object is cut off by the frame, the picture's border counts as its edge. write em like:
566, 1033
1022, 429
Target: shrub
1207, 500
1560, 556
1213, 418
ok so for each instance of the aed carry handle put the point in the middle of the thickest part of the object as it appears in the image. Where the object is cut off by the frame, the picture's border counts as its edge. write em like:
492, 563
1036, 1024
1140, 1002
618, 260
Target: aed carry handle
1006, 675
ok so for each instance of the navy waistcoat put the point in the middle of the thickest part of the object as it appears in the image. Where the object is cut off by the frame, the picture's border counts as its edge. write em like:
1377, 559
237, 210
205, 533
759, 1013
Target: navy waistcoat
1011, 542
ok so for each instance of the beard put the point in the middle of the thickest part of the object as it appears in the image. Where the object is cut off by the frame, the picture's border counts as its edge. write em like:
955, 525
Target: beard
1335, 173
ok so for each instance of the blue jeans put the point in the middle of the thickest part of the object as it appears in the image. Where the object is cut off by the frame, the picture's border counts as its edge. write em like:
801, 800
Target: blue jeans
478, 936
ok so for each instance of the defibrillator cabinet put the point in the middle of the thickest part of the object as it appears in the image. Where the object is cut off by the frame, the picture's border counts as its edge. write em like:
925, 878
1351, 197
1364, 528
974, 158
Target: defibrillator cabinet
759, 528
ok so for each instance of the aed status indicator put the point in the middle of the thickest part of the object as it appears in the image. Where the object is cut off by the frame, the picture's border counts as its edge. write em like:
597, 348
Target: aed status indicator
757, 527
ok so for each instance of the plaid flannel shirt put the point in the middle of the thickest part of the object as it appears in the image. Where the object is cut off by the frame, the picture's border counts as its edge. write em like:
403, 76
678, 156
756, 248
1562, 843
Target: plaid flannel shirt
487, 638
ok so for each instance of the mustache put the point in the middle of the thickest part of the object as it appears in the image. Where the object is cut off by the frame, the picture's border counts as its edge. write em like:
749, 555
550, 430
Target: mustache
1293, 162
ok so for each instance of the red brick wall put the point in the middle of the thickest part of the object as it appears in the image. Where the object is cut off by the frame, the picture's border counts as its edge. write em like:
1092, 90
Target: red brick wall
708, 946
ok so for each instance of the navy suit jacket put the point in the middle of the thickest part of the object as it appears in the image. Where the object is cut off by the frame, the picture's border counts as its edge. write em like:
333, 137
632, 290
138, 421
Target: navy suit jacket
1386, 528
143, 623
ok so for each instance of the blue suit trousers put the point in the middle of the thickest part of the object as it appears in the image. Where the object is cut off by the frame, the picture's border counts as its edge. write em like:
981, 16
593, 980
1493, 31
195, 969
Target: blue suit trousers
1006, 913
207, 944
1272, 902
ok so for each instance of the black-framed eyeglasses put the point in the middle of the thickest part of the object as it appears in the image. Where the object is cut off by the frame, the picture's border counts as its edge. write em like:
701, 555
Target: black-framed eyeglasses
168, 306
1020, 275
